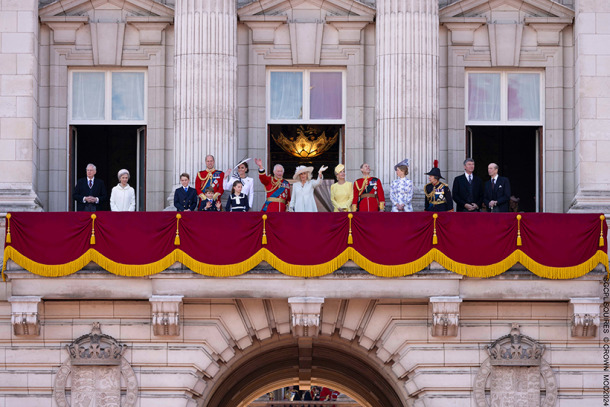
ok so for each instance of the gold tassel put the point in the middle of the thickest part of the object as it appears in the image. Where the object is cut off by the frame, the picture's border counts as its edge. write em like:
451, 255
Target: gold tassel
519, 243
350, 239
434, 237
264, 230
8, 228
177, 238
601, 232
93, 229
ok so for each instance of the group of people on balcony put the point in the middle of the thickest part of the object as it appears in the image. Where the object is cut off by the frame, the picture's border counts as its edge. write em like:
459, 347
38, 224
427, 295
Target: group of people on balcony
364, 195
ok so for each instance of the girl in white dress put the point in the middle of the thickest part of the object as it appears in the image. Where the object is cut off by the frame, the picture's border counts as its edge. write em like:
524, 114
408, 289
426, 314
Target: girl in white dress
302, 190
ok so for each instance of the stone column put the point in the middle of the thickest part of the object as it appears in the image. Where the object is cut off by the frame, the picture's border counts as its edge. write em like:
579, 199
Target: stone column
19, 106
592, 113
407, 90
205, 90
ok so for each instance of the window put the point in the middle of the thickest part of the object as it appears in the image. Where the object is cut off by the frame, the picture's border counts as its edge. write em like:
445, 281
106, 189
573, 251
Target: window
108, 96
307, 96
504, 98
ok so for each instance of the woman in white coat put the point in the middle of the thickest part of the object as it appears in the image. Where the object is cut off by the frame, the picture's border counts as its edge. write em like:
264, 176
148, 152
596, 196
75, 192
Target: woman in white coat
123, 197
302, 199
240, 174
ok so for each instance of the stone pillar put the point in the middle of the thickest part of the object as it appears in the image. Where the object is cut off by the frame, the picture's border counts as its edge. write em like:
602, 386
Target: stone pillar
19, 106
407, 102
592, 113
205, 90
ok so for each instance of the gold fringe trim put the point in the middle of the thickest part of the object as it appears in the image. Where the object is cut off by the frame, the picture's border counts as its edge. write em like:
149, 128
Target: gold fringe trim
8, 228
317, 270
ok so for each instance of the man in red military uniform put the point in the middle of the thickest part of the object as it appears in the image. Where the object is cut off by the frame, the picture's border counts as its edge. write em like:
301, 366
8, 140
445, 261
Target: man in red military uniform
209, 177
276, 188
368, 192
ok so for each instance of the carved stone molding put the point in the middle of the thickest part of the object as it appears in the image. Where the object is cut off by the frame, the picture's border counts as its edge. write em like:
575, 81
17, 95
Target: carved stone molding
25, 315
64, 27
305, 315
585, 316
505, 43
512, 374
462, 29
98, 369
349, 28
306, 41
445, 315
166, 314
548, 30
263, 27
150, 28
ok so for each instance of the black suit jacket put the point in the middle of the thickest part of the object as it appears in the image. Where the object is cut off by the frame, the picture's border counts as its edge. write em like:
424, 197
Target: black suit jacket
460, 192
500, 193
185, 200
81, 190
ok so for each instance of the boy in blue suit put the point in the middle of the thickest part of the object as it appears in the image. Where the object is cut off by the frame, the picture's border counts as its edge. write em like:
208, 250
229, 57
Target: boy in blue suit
185, 197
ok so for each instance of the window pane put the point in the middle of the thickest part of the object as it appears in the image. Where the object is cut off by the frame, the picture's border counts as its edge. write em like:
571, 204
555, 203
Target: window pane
524, 96
483, 96
326, 95
88, 96
127, 96
286, 95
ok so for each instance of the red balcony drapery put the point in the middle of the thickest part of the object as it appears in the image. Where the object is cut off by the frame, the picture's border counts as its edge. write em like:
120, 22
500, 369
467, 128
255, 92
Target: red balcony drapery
558, 246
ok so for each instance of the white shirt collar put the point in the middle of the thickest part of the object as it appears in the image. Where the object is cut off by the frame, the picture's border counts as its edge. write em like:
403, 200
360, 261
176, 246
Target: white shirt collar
467, 175
495, 178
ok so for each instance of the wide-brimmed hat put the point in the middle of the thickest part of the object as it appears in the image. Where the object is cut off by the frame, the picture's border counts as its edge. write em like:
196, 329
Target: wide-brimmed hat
339, 168
301, 169
404, 162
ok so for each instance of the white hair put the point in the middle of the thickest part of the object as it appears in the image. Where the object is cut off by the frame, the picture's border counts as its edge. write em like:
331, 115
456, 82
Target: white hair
91, 165
122, 172
278, 165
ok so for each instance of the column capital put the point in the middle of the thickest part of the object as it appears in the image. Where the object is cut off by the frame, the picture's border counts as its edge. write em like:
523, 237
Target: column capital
25, 314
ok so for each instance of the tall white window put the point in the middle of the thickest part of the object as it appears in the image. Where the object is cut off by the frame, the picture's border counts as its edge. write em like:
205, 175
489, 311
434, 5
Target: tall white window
306, 96
108, 97
510, 98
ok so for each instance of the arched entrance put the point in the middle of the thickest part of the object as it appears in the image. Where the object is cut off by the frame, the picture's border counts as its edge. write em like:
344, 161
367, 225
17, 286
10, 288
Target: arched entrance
322, 361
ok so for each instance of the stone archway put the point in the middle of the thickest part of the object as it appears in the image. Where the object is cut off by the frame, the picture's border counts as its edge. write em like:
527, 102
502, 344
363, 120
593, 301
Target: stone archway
328, 361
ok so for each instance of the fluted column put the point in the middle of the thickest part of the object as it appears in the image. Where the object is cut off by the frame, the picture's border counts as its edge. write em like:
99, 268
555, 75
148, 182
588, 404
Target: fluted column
206, 84
407, 89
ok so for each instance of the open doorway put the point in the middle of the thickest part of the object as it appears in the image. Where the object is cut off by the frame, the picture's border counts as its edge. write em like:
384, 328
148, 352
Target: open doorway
110, 148
516, 150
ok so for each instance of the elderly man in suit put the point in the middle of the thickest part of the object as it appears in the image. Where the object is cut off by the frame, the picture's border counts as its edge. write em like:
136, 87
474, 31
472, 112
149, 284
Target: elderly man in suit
185, 197
468, 189
89, 192
497, 190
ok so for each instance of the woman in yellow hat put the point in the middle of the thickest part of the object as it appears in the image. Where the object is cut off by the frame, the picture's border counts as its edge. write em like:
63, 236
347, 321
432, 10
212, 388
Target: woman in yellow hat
341, 192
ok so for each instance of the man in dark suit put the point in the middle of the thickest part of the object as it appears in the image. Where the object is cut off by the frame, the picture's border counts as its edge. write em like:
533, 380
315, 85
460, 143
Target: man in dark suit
185, 197
89, 192
497, 190
468, 189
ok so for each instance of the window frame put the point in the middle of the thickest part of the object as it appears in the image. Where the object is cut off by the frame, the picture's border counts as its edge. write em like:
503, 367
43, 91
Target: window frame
307, 97
504, 121
107, 97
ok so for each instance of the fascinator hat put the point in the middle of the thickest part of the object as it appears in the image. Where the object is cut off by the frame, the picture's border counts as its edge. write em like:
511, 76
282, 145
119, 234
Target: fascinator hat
301, 169
404, 162
339, 168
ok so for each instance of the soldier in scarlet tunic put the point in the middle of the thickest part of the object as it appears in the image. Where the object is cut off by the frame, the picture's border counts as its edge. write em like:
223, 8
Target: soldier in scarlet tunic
368, 192
209, 177
276, 188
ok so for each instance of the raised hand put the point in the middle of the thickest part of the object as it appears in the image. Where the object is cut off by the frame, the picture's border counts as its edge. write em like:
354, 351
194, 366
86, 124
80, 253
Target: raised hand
259, 162
323, 168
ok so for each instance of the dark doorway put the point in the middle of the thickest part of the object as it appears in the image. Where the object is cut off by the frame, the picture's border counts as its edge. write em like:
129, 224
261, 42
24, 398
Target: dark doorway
110, 148
516, 150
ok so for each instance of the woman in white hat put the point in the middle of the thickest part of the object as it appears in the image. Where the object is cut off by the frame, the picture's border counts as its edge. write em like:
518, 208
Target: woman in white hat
123, 197
341, 192
401, 191
302, 190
